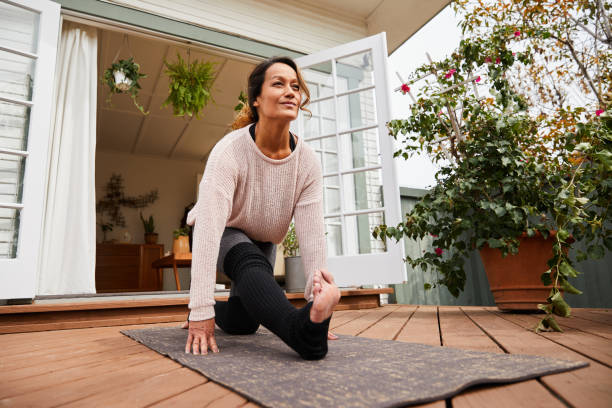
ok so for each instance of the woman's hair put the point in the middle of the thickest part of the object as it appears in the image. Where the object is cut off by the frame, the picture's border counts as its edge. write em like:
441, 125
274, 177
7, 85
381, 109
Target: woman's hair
248, 113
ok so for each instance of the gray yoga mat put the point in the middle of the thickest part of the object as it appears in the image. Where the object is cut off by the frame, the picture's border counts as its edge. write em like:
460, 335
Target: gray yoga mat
357, 371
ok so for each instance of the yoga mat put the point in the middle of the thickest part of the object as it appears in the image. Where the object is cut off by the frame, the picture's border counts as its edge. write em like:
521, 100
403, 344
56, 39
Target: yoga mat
357, 371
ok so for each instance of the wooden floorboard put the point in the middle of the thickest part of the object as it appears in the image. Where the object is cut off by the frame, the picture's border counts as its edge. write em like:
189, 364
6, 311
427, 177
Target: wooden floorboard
586, 387
101, 367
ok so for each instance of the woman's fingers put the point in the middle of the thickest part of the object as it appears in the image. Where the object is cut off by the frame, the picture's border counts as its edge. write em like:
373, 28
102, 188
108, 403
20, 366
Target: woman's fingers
213, 344
196, 345
188, 344
331, 336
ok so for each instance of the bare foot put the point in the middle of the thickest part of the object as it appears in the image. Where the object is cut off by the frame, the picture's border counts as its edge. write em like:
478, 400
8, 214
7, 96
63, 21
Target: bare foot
326, 296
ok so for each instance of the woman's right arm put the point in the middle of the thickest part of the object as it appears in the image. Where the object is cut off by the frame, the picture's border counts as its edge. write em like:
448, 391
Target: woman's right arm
209, 218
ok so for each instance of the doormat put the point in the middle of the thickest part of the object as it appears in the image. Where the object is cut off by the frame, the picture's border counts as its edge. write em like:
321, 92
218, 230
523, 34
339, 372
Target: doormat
357, 371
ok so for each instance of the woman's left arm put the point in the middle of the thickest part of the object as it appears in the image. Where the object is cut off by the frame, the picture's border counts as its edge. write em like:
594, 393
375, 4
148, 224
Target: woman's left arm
310, 226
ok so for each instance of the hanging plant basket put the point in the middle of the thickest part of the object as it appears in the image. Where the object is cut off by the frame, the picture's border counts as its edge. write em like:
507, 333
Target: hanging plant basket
190, 86
123, 77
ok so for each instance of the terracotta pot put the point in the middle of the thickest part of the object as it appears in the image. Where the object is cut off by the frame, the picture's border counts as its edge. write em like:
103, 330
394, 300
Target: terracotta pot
181, 245
515, 280
151, 238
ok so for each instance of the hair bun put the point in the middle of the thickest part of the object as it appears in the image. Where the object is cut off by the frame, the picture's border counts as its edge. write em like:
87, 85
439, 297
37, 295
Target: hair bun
244, 117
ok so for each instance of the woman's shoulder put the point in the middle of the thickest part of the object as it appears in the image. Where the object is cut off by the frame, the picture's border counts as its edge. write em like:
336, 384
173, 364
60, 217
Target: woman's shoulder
229, 146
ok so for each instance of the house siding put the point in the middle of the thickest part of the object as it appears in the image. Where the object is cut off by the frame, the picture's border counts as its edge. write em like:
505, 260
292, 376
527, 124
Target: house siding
288, 24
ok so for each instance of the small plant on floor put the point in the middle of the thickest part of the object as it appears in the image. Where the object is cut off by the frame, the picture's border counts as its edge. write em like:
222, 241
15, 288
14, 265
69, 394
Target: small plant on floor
123, 77
190, 86
182, 232
291, 247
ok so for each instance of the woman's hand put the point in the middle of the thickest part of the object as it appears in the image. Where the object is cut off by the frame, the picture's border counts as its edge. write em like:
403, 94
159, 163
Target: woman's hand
331, 336
201, 337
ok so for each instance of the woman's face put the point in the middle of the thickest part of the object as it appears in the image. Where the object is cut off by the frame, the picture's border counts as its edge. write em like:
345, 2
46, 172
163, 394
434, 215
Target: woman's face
280, 95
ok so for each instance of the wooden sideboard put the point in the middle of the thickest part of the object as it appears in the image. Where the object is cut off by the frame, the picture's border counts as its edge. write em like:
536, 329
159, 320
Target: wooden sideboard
127, 267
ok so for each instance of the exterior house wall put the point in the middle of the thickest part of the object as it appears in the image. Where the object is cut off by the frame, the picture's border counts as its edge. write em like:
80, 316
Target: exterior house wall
287, 23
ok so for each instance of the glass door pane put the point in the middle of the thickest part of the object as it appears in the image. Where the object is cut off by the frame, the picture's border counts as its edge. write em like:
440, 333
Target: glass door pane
342, 129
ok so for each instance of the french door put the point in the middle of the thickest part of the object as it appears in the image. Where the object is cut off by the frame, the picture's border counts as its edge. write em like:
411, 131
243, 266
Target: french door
350, 107
29, 32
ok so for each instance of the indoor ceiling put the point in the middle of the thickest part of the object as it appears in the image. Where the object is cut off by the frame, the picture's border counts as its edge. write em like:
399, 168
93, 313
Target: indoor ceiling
123, 128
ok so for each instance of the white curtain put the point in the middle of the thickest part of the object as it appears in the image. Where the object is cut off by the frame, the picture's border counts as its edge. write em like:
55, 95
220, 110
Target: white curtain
69, 228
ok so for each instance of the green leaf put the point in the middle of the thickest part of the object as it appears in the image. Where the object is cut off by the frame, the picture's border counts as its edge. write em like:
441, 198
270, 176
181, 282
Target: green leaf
500, 211
581, 255
568, 288
546, 279
595, 251
427, 286
560, 307
552, 323
567, 270
495, 243
563, 234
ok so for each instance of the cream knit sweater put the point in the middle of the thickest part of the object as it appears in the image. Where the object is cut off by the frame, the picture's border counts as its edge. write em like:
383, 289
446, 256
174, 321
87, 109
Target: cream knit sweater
245, 189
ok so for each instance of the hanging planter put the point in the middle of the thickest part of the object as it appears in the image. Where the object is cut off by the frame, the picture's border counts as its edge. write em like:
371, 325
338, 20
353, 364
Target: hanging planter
123, 77
190, 86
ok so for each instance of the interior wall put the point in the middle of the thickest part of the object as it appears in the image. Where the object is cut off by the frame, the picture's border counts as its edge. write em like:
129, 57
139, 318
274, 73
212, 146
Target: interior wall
176, 181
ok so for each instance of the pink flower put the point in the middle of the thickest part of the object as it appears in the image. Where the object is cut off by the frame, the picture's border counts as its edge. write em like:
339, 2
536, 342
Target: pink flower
405, 89
488, 59
450, 73
439, 113
517, 33
599, 112
497, 60
439, 251
434, 235
514, 53
477, 79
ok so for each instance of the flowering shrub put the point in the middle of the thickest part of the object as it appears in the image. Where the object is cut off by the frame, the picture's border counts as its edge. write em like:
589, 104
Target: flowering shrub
516, 161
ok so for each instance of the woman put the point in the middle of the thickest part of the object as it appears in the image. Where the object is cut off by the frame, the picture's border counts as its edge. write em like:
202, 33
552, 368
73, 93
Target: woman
256, 179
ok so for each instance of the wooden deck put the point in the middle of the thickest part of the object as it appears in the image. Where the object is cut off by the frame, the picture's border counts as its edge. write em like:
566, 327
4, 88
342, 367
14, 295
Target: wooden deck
101, 367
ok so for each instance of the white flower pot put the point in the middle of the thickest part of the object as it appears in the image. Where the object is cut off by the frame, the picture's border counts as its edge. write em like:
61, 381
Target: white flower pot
121, 81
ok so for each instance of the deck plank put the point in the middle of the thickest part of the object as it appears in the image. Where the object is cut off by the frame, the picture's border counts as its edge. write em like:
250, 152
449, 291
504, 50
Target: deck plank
458, 331
586, 387
147, 392
85, 387
422, 327
593, 315
365, 320
595, 347
587, 326
389, 327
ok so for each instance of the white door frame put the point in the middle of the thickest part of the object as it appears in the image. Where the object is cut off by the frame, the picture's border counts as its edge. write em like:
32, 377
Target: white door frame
374, 268
18, 275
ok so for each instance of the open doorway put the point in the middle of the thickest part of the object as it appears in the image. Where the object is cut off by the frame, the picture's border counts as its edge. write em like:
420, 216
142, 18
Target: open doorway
157, 155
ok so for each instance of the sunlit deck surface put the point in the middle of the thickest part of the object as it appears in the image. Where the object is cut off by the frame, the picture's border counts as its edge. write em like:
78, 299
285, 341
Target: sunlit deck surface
101, 367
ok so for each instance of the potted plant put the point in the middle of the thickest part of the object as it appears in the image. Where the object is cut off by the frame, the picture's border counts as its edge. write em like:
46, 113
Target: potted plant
295, 280
149, 227
123, 77
180, 245
511, 177
190, 86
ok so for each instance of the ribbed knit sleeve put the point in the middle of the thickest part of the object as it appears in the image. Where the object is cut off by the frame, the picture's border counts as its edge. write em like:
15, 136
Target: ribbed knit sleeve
210, 216
310, 226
